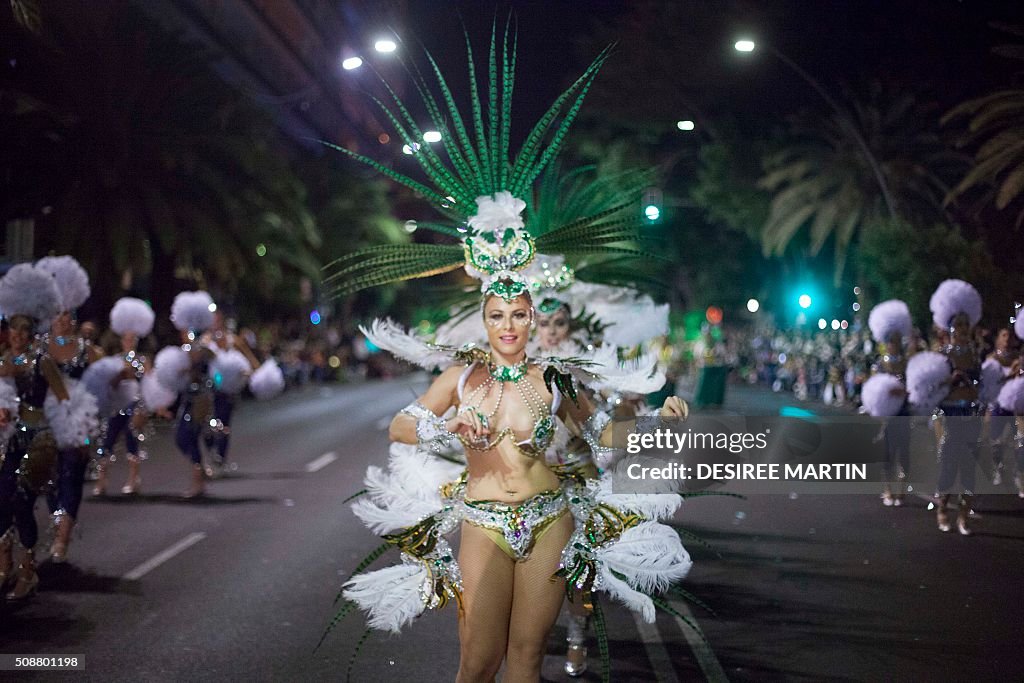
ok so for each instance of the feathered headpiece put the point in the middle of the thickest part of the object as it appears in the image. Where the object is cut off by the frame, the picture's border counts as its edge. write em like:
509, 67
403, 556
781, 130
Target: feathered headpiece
192, 311
132, 315
951, 298
28, 291
72, 280
888, 317
480, 186
1018, 323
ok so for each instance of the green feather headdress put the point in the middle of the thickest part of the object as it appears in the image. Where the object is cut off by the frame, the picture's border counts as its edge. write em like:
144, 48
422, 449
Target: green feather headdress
476, 165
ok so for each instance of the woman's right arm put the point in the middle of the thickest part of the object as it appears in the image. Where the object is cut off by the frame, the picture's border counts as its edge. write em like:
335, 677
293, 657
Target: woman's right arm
439, 398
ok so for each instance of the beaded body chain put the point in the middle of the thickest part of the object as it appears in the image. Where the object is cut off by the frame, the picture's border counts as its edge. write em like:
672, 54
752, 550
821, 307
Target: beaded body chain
543, 424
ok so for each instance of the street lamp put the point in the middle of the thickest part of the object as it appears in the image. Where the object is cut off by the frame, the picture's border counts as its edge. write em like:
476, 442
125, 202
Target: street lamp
351, 63
385, 45
685, 125
845, 121
753, 305
432, 136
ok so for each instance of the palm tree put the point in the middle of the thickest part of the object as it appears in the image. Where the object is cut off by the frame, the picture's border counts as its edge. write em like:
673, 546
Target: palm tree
147, 162
822, 183
995, 126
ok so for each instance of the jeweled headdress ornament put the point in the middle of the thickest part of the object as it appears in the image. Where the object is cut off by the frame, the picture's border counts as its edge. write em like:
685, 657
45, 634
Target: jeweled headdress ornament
479, 185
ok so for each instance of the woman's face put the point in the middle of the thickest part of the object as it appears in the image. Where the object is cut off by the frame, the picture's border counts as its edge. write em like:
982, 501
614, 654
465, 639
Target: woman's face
1002, 339
552, 329
62, 325
19, 335
508, 324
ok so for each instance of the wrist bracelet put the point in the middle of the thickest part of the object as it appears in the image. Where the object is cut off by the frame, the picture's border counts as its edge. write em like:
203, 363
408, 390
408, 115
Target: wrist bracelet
431, 431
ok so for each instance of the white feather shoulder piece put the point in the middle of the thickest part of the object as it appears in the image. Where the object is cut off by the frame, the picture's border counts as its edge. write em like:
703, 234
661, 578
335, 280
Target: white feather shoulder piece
408, 346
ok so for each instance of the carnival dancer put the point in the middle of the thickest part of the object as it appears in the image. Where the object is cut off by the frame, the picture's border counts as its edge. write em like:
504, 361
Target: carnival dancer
116, 381
73, 354
52, 415
234, 362
955, 306
999, 366
185, 370
1008, 408
527, 535
885, 394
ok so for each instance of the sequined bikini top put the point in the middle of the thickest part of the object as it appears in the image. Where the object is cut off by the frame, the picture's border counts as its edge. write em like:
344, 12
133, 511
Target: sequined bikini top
540, 437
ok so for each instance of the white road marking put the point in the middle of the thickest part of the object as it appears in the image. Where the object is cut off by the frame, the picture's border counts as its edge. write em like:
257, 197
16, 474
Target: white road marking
164, 555
658, 656
706, 658
322, 462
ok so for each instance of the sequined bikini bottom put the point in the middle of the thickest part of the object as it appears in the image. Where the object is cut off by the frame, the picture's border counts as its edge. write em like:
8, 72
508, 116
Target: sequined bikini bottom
516, 527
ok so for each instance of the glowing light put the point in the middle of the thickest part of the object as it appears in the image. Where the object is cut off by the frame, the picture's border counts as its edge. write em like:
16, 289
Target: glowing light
835, 324
409, 149
844, 324
261, 250
383, 138
685, 125
351, 63
652, 212
385, 45
855, 307
804, 301
753, 305
822, 323
856, 291
314, 317
745, 46
713, 315
783, 357
334, 362
432, 136
410, 226
212, 307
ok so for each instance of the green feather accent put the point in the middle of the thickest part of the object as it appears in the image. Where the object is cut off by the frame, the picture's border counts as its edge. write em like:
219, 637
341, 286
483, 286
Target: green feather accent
663, 605
347, 609
460, 126
355, 653
374, 555
478, 121
394, 175
690, 536
686, 595
563, 381
355, 495
601, 631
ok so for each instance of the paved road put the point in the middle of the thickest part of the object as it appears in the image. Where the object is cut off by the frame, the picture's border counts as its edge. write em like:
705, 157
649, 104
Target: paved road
811, 586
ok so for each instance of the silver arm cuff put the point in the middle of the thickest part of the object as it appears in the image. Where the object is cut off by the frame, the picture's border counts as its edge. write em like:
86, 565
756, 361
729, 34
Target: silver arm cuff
604, 456
430, 429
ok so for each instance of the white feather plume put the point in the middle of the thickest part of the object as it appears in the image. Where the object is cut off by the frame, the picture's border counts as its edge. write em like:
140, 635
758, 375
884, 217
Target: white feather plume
408, 346
651, 557
876, 395
640, 376
72, 280
267, 380
8, 401
661, 503
154, 394
1018, 324
97, 379
992, 374
192, 311
407, 492
501, 210
952, 297
230, 370
171, 366
25, 290
632, 318
75, 421
392, 596
928, 375
1011, 396
888, 317
132, 315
